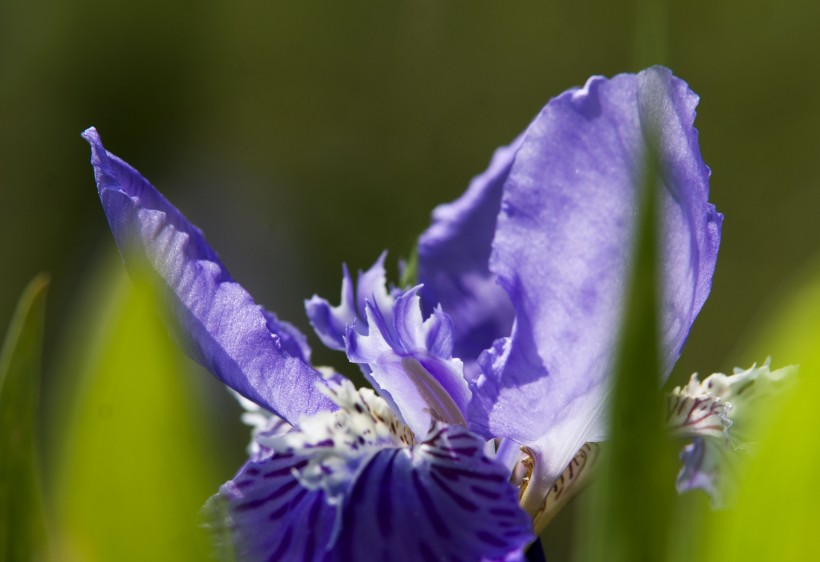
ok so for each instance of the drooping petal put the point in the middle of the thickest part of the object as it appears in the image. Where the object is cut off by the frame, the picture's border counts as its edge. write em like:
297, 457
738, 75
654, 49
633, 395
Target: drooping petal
718, 414
311, 472
284, 504
440, 500
409, 360
214, 318
453, 258
266, 514
562, 251
354, 485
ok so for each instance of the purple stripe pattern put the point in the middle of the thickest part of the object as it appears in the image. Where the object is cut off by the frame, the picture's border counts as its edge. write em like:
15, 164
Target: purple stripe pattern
270, 516
440, 500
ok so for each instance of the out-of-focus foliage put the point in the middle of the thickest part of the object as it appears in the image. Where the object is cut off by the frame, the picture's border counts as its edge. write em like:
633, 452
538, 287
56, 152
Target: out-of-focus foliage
776, 516
22, 525
133, 470
789, 330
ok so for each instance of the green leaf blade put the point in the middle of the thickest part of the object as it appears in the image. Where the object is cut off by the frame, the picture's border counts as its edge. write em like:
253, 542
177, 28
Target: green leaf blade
22, 523
628, 513
135, 468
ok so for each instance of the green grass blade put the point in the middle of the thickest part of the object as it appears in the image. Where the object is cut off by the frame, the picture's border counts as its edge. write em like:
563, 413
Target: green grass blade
22, 524
135, 468
628, 511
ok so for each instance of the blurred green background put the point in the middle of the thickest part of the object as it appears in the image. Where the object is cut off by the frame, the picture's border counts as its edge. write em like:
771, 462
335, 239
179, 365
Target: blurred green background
303, 134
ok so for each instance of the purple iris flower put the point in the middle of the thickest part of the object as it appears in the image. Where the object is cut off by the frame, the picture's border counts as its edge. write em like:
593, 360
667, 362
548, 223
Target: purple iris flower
490, 376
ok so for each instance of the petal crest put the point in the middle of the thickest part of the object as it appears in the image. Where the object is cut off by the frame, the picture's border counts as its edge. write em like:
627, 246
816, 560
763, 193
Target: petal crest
409, 361
331, 322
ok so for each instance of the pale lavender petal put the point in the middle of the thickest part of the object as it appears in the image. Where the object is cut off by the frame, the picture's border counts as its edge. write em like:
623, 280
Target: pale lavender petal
409, 361
440, 500
454, 253
270, 516
562, 252
705, 465
214, 318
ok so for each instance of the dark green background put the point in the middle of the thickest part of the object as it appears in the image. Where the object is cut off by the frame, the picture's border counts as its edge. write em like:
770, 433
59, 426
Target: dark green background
302, 134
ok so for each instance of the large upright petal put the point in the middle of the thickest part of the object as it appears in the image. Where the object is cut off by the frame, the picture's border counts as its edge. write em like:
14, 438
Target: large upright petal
454, 253
214, 318
563, 247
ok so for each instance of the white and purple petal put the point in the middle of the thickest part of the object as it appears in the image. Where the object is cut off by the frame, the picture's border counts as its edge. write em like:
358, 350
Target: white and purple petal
215, 320
563, 247
264, 425
721, 416
353, 484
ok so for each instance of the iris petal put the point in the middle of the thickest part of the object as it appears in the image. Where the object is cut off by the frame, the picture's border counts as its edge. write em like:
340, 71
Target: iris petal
409, 361
215, 320
440, 500
331, 322
361, 488
720, 414
270, 516
562, 250
453, 256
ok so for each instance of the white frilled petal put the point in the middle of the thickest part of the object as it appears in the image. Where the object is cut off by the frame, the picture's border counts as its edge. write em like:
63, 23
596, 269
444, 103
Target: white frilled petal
264, 425
718, 415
